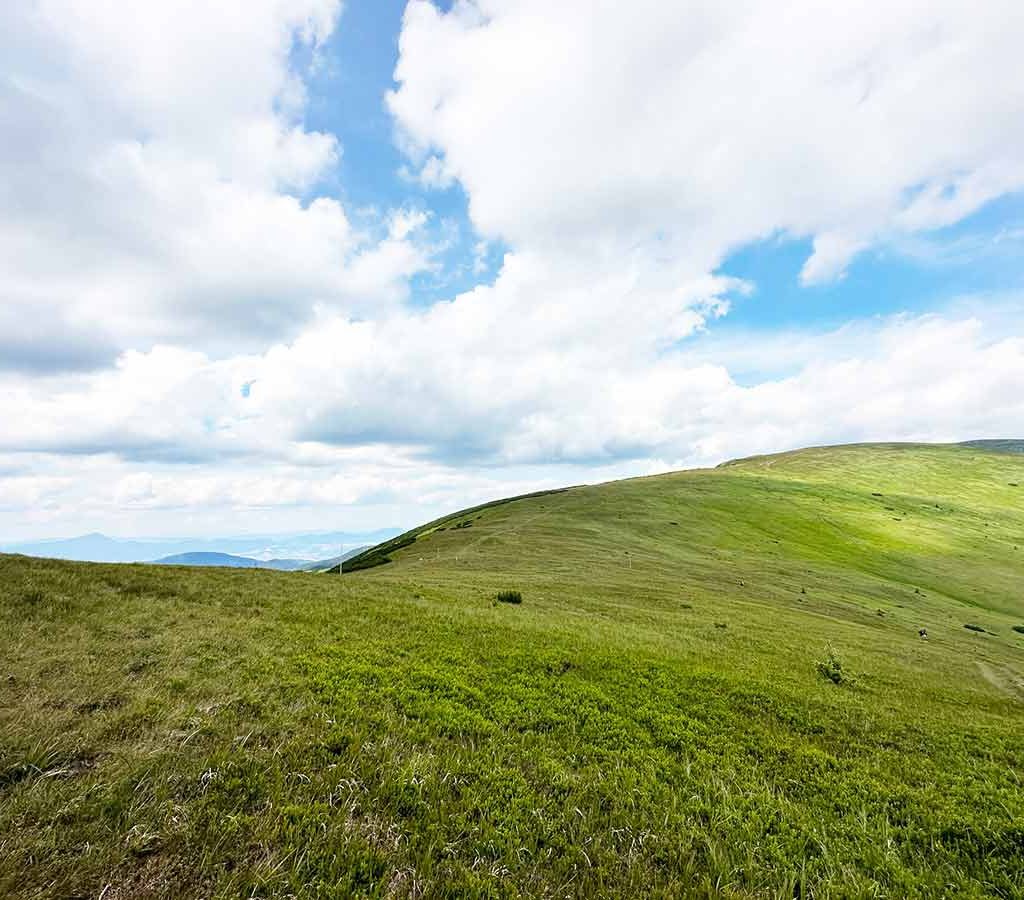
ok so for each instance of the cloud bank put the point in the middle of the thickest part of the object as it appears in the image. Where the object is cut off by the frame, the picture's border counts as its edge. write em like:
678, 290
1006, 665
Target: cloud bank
696, 127
201, 326
157, 183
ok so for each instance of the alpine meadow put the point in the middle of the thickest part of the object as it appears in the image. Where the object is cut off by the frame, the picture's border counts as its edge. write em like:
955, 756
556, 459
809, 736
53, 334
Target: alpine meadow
511, 450
798, 675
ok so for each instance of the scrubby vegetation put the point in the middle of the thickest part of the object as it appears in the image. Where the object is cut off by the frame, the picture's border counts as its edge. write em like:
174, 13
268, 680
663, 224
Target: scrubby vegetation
378, 555
831, 667
394, 732
509, 597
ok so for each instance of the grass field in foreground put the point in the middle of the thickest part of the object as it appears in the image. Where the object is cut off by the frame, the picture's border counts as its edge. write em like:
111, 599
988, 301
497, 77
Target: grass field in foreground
649, 721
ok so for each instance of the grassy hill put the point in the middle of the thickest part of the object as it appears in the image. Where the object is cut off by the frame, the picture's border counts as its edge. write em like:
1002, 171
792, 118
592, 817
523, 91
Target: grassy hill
659, 716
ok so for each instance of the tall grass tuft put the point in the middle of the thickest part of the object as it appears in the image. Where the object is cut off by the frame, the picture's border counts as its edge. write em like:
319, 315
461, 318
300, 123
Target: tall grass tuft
831, 667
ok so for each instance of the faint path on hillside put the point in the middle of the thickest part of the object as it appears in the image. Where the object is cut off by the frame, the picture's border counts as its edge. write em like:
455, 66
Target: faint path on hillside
1003, 679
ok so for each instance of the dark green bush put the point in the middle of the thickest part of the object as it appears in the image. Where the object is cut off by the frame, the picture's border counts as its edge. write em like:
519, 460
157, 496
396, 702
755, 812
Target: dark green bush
972, 627
509, 597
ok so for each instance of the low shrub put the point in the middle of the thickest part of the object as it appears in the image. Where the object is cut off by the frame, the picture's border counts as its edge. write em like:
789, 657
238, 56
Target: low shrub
970, 626
1019, 629
831, 667
509, 597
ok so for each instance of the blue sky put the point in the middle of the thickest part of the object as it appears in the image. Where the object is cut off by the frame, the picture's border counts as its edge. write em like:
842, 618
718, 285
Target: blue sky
980, 255
322, 265
351, 74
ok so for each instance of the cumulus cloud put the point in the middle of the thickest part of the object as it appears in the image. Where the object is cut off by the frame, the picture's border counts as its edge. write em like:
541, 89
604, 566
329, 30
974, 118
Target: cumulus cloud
199, 327
157, 183
705, 125
358, 420
379, 386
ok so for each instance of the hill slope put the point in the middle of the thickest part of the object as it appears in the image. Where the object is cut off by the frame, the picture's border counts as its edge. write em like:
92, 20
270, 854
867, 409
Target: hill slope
650, 720
331, 565
1004, 446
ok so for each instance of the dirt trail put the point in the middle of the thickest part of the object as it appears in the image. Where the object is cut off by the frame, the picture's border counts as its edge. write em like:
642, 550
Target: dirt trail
1004, 679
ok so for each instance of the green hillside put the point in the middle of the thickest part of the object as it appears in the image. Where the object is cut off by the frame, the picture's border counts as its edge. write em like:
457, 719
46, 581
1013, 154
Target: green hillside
659, 716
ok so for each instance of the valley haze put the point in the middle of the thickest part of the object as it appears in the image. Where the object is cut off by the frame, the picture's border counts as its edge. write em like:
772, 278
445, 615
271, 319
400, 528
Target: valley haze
100, 548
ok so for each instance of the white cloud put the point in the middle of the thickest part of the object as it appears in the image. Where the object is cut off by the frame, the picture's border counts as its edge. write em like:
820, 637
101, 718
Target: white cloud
161, 213
345, 387
829, 259
155, 178
705, 125
432, 173
404, 439
368, 420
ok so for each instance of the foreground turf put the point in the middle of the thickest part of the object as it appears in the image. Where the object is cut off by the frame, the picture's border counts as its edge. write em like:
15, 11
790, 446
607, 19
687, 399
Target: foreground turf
650, 720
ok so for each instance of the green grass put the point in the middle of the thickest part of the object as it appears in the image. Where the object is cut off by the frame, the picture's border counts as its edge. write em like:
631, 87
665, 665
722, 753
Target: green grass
651, 720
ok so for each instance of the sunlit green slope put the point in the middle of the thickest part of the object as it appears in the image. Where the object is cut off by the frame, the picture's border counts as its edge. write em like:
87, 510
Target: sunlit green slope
650, 720
929, 530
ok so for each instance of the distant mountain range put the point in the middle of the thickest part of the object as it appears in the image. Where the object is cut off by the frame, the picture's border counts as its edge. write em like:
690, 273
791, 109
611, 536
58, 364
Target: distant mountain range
325, 565
204, 558
291, 551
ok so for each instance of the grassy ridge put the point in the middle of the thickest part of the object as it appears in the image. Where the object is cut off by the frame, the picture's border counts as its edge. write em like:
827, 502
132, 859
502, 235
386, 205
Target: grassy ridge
649, 721
378, 554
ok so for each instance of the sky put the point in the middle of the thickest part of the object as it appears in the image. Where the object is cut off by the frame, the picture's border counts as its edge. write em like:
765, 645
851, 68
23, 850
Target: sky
273, 266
